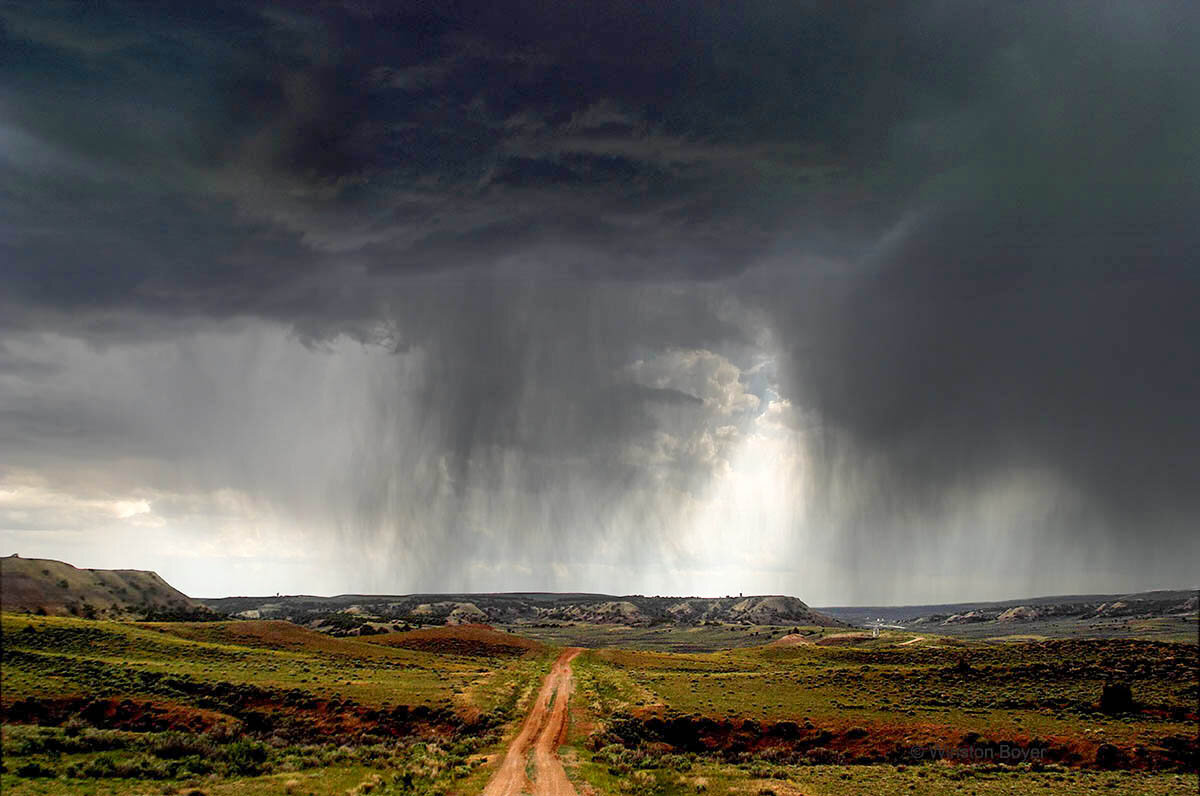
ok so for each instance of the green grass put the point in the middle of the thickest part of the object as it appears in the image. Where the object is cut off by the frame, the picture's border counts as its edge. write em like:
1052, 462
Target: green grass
335, 780
65, 760
1164, 628
504, 688
715, 779
267, 687
1020, 688
739, 683
669, 638
1014, 689
58, 655
898, 697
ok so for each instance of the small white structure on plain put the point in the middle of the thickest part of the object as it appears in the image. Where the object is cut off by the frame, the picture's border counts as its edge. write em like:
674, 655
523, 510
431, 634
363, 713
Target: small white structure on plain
876, 624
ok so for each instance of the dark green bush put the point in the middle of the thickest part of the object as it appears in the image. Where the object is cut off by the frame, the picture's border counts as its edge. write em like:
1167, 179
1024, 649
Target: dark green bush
245, 757
101, 767
34, 770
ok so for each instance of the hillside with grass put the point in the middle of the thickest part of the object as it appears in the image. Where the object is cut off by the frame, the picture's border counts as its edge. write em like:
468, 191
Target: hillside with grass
470, 640
246, 707
53, 588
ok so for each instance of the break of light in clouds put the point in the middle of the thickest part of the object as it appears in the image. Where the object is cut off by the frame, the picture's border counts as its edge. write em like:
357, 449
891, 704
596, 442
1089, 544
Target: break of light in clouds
860, 305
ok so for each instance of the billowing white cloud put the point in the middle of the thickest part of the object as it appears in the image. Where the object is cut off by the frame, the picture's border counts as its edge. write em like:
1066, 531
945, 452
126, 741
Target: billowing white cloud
705, 375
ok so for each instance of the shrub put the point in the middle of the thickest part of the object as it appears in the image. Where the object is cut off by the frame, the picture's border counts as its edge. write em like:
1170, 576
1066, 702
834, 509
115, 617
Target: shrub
245, 757
33, 770
24, 741
176, 745
142, 767
90, 740
101, 767
223, 733
676, 762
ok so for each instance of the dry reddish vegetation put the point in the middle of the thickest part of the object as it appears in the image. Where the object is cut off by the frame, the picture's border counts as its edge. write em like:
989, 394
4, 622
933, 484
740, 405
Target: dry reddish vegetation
86, 702
274, 634
843, 639
293, 715
115, 714
474, 640
880, 742
1044, 702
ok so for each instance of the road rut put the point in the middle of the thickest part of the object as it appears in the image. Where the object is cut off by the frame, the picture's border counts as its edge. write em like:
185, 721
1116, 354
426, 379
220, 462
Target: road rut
544, 730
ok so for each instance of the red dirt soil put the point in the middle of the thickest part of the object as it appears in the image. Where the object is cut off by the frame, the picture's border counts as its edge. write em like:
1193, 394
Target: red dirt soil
266, 634
843, 639
116, 714
544, 730
792, 640
474, 640
296, 716
879, 742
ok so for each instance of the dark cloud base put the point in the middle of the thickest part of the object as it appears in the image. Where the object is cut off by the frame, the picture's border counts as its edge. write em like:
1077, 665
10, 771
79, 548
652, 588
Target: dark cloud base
966, 229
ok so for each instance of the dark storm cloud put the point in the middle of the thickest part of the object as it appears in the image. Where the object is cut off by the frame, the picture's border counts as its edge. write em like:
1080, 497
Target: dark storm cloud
968, 229
441, 133
1037, 306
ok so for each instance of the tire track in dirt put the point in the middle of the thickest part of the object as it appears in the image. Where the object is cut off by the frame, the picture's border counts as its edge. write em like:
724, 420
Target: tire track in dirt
544, 730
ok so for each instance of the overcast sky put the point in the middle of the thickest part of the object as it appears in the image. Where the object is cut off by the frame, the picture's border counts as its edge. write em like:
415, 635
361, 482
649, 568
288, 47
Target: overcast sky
863, 303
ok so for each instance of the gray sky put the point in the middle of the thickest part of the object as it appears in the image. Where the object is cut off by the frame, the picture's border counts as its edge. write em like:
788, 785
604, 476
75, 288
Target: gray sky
864, 305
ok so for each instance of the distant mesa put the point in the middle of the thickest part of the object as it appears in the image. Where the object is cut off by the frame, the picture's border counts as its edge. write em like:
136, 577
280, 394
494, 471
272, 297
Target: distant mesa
453, 613
54, 588
967, 617
1169, 611
1020, 613
350, 614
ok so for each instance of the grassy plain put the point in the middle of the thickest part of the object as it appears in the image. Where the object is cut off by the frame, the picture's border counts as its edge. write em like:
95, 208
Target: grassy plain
934, 716
668, 638
262, 707
245, 707
750, 779
1158, 628
1041, 687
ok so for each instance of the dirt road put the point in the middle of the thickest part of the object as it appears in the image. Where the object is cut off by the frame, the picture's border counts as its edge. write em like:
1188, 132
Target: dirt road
544, 730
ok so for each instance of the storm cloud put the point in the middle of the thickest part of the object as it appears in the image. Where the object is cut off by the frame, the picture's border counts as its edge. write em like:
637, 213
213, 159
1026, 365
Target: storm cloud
856, 302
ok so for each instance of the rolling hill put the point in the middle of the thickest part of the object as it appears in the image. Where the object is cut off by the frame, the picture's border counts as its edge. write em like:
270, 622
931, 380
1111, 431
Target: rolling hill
54, 588
471, 640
